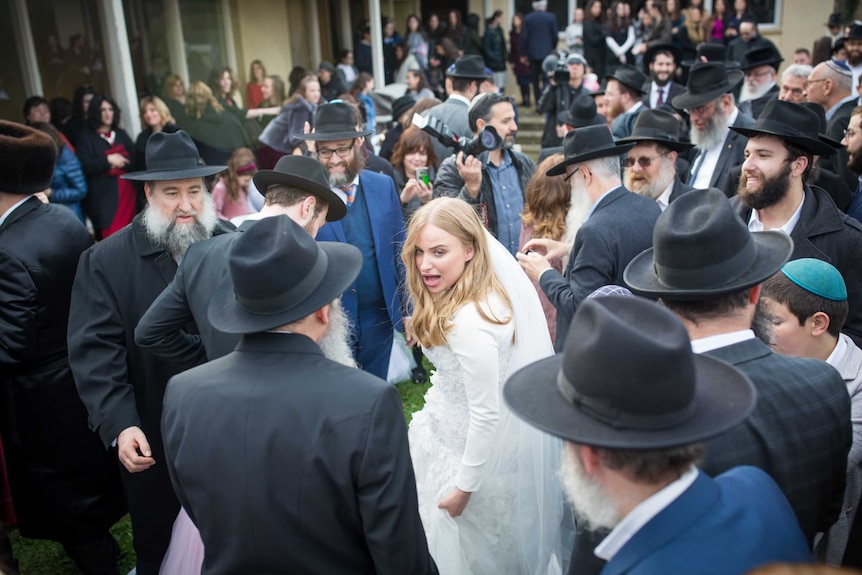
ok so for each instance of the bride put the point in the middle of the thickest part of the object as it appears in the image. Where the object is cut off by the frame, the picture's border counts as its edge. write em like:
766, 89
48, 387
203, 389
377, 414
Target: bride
489, 497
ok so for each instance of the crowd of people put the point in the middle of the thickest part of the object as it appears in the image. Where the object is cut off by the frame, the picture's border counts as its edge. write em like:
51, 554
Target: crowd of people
645, 344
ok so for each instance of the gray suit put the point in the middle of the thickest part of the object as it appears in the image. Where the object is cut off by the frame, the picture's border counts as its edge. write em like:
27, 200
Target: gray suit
732, 153
453, 113
619, 229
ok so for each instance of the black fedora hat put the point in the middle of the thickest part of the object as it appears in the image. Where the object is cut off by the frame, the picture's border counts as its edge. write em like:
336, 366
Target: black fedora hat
172, 157
711, 52
821, 117
792, 122
306, 174
657, 126
663, 395
761, 56
471, 67
630, 77
334, 122
401, 105
836, 20
855, 32
649, 55
706, 82
582, 113
587, 144
278, 274
702, 249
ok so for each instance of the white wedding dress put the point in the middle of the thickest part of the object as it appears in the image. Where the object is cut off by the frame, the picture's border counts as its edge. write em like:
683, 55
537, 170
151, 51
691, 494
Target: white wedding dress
465, 436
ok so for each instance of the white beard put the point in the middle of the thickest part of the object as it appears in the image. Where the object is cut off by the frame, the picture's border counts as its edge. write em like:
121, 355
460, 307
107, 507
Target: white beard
590, 499
713, 135
335, 343
753, 93
176, 239
653, 188
579, 207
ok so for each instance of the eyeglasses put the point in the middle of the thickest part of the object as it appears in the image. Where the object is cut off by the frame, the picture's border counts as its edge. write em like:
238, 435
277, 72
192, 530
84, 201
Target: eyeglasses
342, 152
643, 161
699, 109
809, 82
760, 74
848, 133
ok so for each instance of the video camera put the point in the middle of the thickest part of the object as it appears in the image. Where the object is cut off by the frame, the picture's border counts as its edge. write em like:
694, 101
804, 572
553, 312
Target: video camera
488, 138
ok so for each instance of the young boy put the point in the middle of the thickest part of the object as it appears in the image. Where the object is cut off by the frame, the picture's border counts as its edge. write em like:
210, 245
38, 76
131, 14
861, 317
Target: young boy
807, 300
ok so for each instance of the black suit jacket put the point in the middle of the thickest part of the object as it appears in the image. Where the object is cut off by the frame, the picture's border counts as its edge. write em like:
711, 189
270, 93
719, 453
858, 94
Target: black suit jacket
673, 90
678, 189
619, 229
313, 469
754, 107
732, 154
799, 431
826, 233
835, 129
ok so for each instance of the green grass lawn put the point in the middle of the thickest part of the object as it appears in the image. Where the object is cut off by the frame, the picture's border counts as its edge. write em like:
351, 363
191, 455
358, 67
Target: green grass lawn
38, 557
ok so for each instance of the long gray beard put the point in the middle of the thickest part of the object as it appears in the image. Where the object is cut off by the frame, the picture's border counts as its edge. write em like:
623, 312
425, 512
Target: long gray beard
335, 344
753, 94
579, 207
652, 188
590, 500
176, 239
713, 135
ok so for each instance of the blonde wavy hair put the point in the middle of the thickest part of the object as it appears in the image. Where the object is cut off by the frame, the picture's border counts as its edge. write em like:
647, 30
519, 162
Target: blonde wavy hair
433, 313
197, 98
160, 107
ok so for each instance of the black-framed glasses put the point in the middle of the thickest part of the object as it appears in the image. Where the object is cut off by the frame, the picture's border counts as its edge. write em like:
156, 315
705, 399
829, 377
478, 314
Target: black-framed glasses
341, 152
643, 161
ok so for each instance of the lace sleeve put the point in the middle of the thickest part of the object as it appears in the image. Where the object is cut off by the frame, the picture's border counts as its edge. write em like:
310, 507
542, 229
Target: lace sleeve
475, 343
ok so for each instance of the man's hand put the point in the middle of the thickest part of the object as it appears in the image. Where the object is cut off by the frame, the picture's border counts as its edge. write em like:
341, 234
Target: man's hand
43, 196
533, 264
129, 442
551, 249
455, 502
470, 170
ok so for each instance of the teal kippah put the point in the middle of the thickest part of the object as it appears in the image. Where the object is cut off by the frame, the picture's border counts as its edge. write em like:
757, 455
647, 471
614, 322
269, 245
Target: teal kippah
817, 277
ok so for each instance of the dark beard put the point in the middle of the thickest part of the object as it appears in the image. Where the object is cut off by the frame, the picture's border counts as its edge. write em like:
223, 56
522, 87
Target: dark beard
773, 191
351, 170
854, 164
761, 323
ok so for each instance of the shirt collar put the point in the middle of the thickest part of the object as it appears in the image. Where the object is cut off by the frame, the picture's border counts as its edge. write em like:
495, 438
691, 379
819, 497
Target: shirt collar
837, 356
12, 209
459, 98
645, 511
712, 342
340, 193
843, 101
755, 225
664, 199
597, 202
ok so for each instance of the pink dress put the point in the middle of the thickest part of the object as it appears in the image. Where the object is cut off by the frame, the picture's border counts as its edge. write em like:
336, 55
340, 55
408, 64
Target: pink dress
185, 554
547, 306
226, 208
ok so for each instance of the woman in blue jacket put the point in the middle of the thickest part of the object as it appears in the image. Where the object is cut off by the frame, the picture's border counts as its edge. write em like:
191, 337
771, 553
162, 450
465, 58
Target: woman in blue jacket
68, 187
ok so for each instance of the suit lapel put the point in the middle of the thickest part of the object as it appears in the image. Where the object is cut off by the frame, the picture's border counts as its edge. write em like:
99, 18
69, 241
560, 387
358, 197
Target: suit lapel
720, 166
25, 208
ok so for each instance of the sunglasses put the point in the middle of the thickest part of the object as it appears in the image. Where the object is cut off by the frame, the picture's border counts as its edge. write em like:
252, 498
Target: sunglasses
643, 161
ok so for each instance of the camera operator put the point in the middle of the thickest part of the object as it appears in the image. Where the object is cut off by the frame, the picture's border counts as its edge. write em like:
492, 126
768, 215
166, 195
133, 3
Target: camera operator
566, 84
495, 180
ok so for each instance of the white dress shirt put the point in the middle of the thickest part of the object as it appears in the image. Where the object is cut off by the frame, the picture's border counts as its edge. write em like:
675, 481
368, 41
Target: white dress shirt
653, 94
712, 342
12, 209
664, 199
755, 225
704, 164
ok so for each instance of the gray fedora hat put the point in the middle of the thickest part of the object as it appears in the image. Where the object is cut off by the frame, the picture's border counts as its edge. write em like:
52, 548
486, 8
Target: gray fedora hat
629, 76
663, 395
582, 113
334, 122
586, 144
277, 274
702, 249
306, 174
471, 67
172, 157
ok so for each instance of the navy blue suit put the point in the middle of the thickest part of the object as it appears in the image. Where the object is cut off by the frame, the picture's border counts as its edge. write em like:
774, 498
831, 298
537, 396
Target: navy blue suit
373, 324
539, 39
722, 526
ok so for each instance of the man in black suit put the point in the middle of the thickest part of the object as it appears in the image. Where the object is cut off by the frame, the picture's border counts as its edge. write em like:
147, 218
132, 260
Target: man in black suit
326, 482
537, 41
712, 110
761, 71
121, 384
606, 227
297, 187
650, 166
66, 487
662, 61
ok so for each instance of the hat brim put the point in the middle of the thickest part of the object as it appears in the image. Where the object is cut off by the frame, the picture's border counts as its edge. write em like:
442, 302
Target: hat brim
775, 62
225, 314
639, 89
670, 144
333, 136
566, 118
688, 100
728, 64
773, 251
813, 145
724, 396
612, 150
168, 175
337, 209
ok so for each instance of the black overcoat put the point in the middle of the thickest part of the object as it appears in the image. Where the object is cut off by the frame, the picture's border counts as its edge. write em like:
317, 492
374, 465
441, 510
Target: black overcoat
100, 204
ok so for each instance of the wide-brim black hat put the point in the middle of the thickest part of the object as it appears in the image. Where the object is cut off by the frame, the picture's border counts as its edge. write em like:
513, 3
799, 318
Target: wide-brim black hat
706, 82
821, 116
401, 105
471, 67
663, 395
702, 249
334, 122
789, 121
172, 157
855, 32
279, 274
761, 56
586, 144
582, 113
713, 52
306, 174
649, 55
657, 126
630, 77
